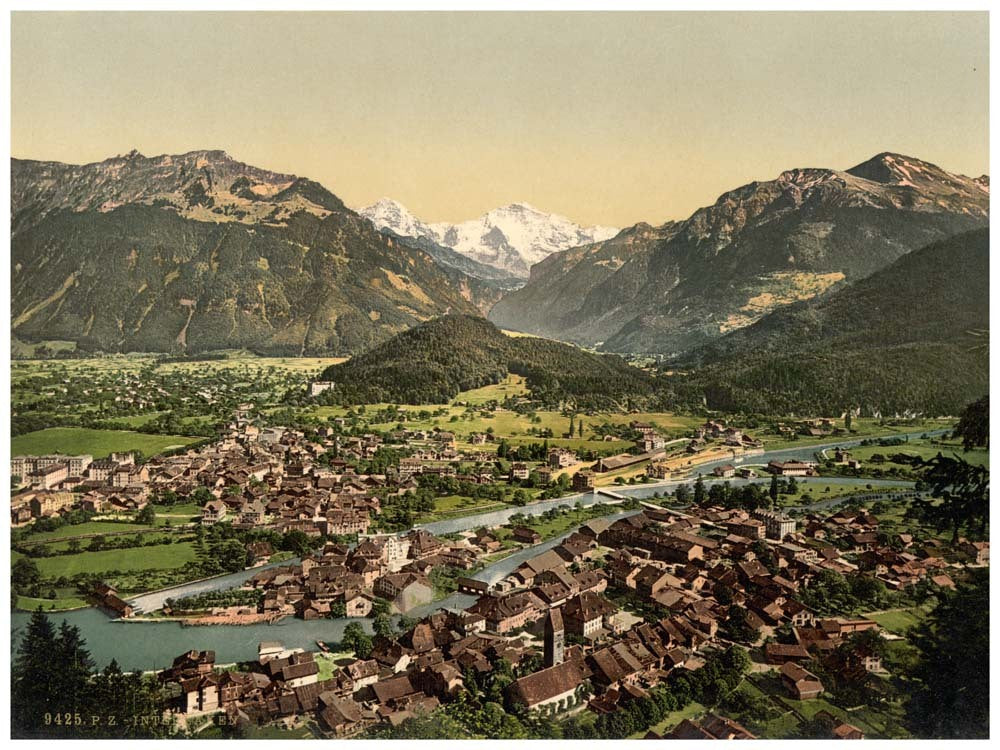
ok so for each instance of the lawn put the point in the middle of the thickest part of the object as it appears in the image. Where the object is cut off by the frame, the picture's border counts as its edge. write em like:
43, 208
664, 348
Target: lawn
82, 529
552, 527
327, 666
65, 599
97, 443
450, 506
898, 621
148, 535
176, 514
160, 557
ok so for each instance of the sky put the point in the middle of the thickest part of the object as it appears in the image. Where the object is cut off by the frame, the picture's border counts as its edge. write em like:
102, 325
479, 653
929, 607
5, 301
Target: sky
607, 118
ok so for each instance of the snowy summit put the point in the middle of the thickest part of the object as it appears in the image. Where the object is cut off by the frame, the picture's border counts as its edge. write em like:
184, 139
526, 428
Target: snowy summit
511, 238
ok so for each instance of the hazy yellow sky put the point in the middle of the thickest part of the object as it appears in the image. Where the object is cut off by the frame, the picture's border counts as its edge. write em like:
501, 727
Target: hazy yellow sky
606, 118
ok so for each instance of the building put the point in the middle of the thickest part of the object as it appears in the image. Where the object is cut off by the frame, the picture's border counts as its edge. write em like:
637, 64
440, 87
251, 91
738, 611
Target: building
776, 525
44, 504
525, 535
791, 468
554, 686
586, 613
212, 512
405, 590
712, 727
800, 682
48, 477
519, 470
583, 481
555, 638
318, 386
560, 457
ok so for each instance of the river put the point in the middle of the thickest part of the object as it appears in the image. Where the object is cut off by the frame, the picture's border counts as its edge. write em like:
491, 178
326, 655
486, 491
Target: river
153, 645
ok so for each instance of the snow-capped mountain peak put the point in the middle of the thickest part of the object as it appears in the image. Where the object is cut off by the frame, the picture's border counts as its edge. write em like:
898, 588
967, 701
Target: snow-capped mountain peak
512, 237
387, 212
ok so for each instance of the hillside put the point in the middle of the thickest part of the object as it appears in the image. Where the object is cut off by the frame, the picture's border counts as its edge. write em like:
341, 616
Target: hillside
551, 303
198, 251
759, 247
433, 362
903, 339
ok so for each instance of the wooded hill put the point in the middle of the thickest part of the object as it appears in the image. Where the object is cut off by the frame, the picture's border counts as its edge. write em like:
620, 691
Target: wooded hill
433, 362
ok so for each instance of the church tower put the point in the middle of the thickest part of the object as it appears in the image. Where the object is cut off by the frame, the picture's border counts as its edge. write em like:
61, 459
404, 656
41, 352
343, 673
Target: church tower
555, 638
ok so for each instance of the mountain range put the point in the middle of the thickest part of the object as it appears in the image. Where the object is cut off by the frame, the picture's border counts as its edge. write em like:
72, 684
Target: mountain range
671, 288
510, 238
198, 251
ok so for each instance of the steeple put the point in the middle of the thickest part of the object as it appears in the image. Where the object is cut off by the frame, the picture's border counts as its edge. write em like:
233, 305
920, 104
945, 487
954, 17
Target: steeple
555, 638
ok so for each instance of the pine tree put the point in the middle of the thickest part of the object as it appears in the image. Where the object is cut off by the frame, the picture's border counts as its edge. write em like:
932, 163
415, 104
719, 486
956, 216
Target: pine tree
33, 684
74, 670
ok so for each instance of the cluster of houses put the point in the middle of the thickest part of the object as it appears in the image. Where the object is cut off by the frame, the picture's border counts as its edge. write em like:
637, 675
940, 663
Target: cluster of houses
54, 484
341, 580
900, 561
573, 606
728, 435
819, 427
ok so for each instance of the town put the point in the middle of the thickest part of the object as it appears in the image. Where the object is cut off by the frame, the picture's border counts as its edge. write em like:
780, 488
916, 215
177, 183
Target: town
632, 596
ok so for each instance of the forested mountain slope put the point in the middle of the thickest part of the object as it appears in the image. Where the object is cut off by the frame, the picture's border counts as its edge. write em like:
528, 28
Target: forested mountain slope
911, 337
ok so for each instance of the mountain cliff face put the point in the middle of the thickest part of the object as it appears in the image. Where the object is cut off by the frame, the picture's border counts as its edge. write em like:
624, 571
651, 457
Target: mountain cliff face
759, 247
907, 338
198, 251
511, 238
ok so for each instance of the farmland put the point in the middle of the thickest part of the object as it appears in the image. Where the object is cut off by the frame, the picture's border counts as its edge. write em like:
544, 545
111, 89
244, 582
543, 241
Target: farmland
98, 443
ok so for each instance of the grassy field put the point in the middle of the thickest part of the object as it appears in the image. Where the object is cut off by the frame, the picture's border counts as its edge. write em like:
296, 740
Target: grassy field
65, 599
892, 520
177, 514
552, 527
860, 429
83, 529
160, 557
450, 506
512, 386
924, 449
327, 666
98, 443
815, 490
900, 621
